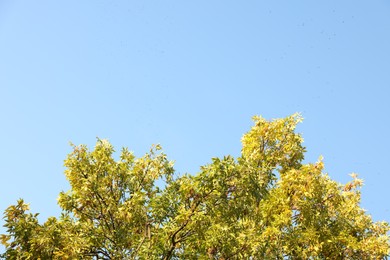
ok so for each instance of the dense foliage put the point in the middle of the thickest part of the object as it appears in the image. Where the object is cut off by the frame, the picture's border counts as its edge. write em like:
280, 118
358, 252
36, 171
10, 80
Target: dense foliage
263, 205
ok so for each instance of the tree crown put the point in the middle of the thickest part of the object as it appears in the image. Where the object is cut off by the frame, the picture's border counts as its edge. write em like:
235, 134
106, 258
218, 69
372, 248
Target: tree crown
264, 204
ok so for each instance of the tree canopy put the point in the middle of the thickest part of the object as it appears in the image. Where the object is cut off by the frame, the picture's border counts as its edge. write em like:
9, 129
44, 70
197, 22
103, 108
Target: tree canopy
265, 204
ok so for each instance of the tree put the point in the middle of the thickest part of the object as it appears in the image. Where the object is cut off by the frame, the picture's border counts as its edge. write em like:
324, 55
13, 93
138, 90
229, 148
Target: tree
265, 204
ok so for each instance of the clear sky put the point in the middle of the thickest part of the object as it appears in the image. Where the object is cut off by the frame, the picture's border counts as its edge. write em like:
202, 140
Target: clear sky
190, 75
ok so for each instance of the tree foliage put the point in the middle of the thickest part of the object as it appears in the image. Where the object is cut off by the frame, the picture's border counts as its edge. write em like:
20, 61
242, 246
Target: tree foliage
265, 204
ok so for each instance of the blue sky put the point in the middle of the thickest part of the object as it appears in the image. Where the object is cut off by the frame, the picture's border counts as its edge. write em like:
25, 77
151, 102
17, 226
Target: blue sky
190, 75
